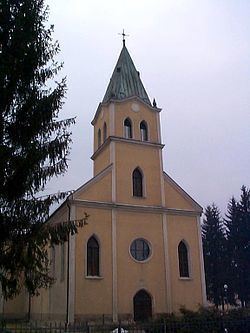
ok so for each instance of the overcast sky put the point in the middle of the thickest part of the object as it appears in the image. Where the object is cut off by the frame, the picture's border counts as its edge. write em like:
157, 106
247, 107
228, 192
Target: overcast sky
194, 59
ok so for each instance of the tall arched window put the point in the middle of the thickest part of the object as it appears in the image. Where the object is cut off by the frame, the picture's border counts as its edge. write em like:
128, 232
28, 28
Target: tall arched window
183, 259
93, 257
99, 138
104, 132
144, 131
137, 183
127, 128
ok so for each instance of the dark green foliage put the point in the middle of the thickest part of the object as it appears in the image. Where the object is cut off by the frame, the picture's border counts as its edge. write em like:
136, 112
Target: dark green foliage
238, 245
226, 247
34, 144
205, 320
214, 250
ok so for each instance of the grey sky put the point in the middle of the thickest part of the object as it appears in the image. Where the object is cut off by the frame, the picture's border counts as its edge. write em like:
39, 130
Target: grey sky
194, 58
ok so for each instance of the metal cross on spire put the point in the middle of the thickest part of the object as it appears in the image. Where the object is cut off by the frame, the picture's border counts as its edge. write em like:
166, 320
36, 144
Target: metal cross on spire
123, 36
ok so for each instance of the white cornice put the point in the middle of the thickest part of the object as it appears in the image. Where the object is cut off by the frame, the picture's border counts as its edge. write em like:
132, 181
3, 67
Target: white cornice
129, 141
129, 207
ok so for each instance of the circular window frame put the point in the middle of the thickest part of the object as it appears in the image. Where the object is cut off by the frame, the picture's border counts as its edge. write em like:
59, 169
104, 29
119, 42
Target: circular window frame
150, 250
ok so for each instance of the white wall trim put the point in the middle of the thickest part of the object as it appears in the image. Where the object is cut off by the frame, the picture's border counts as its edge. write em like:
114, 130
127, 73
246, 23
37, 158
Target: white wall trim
167, 265
72, 272
129, 207
114, 269
158, 127
112, 160
203, 279
163, 198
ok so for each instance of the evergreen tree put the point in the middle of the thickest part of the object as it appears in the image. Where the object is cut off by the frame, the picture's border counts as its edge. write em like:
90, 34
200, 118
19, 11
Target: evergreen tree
34, 144
238, 245
213, 239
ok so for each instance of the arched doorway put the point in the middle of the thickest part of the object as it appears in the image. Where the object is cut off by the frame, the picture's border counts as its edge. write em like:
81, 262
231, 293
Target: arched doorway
142, 306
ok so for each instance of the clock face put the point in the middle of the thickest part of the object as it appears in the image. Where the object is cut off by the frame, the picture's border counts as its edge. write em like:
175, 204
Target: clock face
135, 107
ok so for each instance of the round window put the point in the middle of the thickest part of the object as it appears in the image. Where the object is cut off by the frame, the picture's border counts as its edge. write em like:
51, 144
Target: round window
140, 249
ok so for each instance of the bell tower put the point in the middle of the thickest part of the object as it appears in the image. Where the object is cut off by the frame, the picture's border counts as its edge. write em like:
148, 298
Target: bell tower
127, 135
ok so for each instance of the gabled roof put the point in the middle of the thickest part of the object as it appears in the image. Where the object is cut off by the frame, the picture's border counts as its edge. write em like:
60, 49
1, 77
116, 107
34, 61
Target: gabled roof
183, 193
125, 81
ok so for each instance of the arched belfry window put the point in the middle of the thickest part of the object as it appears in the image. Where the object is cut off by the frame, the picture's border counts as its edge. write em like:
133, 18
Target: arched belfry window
137, 183
144, 131
104, 132
127, 128
99, 138
183, 259
93, 259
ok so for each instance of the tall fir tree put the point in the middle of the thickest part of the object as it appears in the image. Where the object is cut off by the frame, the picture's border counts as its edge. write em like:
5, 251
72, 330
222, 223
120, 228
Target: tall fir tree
213, 239
238, 245
34, 144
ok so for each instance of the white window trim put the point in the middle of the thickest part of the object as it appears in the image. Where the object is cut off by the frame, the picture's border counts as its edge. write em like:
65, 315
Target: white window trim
190, 277
150, 250
147, 130
86, 259
144, 192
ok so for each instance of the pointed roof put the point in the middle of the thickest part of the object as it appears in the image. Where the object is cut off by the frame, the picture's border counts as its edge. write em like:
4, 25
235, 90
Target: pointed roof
125, 81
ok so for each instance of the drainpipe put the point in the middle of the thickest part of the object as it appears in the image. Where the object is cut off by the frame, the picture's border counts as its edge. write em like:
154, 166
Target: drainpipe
67, 296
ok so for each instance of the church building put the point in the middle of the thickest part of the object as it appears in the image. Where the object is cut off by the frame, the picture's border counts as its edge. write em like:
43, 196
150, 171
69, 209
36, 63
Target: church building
140, 255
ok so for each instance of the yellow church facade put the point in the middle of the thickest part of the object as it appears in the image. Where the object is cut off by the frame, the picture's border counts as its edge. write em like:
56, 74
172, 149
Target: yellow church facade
140, 255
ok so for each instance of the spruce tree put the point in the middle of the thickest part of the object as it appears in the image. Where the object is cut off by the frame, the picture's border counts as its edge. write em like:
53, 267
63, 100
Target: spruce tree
213, 239
238, 245
34, 144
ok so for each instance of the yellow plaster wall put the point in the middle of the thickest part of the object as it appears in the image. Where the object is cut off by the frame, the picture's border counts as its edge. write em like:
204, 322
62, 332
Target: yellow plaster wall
17, 307
124, 110
52, 302
98, 191
58, 294
94, 295
128, 157
40, 305
184, 291
174, 199
102, 160
132, 275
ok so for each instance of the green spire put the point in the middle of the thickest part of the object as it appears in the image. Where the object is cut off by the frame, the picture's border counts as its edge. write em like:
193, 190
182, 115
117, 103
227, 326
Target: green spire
125, 81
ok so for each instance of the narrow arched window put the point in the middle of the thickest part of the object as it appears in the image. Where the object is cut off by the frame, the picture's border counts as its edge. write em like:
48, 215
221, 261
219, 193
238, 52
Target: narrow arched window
144, 131
99, 138
104, 132
183, 259
127, 128
93, 257
137, 183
